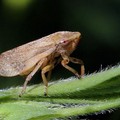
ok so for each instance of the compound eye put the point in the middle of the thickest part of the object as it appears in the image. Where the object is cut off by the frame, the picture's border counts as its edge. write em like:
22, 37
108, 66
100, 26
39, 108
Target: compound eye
64, 41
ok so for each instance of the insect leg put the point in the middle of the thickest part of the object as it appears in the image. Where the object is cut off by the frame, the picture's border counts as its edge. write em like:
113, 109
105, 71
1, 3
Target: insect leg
64, 63
30, 76
78, 61
49, 75
47, 68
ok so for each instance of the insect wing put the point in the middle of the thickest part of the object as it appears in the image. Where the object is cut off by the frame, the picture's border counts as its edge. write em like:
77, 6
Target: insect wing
12, 62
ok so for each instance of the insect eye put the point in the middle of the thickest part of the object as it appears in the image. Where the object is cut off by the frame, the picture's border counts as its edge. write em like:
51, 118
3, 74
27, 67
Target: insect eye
64, 41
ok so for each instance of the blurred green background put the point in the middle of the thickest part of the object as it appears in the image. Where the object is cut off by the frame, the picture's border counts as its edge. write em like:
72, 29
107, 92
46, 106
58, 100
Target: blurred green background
22, 21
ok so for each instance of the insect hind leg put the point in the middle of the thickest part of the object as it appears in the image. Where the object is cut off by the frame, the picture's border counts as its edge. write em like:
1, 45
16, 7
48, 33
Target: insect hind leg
29, 77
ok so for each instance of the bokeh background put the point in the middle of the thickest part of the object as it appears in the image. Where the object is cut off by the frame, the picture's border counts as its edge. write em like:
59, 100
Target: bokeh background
22, 21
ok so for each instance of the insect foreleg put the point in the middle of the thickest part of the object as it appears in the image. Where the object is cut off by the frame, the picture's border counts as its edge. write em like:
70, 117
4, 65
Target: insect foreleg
78, 61
30, 76
64, 63
47, 68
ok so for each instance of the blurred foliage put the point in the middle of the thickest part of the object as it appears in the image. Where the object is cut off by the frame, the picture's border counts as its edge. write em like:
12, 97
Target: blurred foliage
16, 4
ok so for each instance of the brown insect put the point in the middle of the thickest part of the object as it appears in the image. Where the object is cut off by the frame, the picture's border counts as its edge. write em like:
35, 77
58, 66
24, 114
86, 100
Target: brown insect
44, 54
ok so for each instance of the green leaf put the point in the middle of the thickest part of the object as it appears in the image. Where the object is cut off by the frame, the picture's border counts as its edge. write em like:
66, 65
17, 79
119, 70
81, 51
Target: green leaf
68, 97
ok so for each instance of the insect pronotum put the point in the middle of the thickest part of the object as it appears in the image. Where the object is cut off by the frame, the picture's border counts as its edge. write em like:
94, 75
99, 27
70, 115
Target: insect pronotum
43, 54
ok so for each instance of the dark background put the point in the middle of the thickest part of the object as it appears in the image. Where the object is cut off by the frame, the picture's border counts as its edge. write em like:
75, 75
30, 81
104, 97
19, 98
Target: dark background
98, 21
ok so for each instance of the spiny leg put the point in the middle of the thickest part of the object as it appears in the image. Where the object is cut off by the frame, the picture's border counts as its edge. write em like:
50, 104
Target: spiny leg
47, 68
30, 76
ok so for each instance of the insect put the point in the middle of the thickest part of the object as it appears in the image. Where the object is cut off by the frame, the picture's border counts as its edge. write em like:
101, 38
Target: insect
44, 54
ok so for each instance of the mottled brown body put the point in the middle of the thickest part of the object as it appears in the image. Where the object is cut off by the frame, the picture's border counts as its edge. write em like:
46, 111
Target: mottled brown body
42, 54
